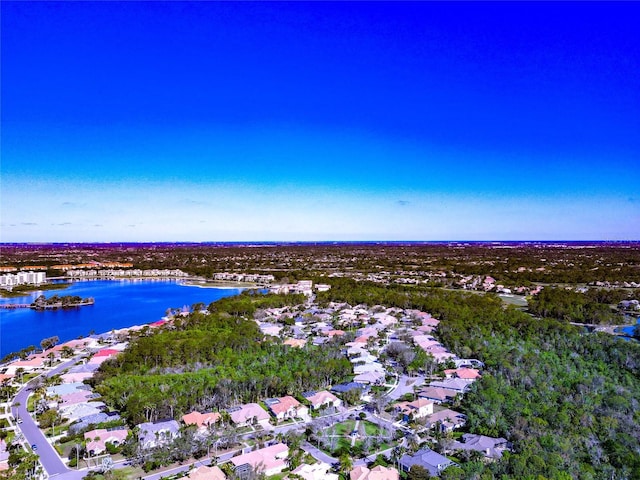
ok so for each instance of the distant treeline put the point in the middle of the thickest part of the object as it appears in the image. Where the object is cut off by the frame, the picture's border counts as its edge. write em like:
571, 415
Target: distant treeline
514, 264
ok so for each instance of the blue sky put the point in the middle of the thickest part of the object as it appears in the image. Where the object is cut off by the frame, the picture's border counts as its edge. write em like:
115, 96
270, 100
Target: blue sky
203, 121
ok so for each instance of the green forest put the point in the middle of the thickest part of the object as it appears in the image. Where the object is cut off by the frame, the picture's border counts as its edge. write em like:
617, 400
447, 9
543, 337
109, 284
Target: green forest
593, 306
567, 400
214, 361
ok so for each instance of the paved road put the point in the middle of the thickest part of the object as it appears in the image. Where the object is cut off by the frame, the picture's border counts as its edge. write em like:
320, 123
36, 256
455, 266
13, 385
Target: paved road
405, 385
49, 458
318, 454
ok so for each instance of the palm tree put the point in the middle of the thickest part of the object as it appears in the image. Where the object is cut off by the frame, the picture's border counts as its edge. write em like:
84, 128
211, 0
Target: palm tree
346, 463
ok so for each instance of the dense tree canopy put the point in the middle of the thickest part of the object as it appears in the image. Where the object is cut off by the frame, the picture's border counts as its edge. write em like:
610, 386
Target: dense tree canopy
214, 361
569, 401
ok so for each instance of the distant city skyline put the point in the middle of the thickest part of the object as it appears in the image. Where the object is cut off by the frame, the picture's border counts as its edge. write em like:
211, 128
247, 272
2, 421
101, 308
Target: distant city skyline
269, 121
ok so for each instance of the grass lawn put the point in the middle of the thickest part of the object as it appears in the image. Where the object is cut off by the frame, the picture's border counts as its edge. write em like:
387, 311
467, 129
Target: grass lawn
121, 474
344, 428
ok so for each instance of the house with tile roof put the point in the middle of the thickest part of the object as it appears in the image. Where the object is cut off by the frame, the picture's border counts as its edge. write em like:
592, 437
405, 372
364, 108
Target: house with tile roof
456, 384
437, 395
269, 460
201, 420
321, 399
376, 473
206, 473
97, 439
286, 407
463, 373
448, 420
248, 414
415, 410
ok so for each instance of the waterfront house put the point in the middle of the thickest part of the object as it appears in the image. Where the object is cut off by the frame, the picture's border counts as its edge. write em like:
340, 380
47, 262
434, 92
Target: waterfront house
30, 365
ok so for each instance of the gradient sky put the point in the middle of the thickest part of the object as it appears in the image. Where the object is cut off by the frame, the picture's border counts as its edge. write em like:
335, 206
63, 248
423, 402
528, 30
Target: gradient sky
203, 121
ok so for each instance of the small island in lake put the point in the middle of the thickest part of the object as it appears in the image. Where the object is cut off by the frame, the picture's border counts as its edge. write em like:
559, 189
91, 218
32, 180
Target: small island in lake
57, 301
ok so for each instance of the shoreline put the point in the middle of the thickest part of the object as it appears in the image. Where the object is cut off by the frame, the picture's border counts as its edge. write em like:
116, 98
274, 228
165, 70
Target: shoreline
15, 342
218, 284
36, 288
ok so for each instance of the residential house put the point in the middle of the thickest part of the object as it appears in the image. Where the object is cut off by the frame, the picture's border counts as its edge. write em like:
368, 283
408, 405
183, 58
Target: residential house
447, 419
376, 473
269, 460
158, 434
489, 446
80, 396
437, 395
468, 374
346, 387
201, 420
456, 384
79, 410
295, 342
206, 473
317, 471
415, 410
433, 462
97, 439
26, 365
322, 399
92, 419
370, 378
249, 414
369, 367
286, 407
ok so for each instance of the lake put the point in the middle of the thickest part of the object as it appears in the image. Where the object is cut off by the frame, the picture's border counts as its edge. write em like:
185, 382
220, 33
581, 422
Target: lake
119, 304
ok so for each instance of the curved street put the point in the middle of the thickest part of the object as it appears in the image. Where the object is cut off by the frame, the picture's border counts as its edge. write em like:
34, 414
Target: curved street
32, 435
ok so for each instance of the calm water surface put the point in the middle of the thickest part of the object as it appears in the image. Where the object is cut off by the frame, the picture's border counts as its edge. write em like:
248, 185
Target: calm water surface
119, 304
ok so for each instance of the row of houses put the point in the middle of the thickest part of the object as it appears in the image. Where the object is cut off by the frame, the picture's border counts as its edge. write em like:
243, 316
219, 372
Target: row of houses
9, 280
244, 277
134, 273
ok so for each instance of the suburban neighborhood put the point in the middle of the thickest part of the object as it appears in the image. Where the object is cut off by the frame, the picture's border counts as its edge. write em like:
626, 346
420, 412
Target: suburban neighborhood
389, 418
